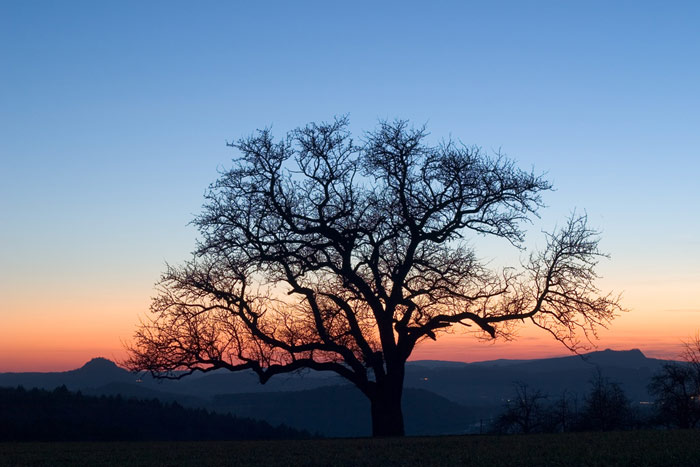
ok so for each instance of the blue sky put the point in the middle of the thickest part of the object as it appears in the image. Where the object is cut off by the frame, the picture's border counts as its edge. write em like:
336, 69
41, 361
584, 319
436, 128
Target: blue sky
114, 115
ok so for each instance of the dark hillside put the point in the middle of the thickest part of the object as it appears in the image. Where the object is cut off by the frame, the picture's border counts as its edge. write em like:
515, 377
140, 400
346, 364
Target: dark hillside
440, 397
60, 415
96, 372
340, 411
490, 383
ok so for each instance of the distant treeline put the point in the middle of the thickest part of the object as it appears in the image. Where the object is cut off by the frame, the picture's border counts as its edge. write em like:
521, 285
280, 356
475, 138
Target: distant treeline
61, 415
676, 404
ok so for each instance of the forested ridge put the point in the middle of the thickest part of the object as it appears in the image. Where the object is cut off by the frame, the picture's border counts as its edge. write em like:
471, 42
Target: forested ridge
62, 415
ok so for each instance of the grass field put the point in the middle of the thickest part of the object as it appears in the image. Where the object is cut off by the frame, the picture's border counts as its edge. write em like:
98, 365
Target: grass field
634, 448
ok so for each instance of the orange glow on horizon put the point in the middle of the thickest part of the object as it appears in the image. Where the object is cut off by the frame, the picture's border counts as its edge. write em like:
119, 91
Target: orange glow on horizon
44, 356
60, 333
52, 360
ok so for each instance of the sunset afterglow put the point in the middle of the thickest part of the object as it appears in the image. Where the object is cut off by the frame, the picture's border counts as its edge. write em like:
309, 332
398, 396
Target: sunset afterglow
115, 118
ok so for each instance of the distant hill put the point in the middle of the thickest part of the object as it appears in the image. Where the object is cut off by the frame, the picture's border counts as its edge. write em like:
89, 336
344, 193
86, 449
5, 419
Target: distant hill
633, 358
440, 397
96, 372
490, 383
101, 372
338, 411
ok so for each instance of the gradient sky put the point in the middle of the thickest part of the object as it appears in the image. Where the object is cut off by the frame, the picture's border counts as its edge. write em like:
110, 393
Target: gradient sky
114, 116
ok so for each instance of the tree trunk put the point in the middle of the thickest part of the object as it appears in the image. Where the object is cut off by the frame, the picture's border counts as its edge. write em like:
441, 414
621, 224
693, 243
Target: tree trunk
387, 415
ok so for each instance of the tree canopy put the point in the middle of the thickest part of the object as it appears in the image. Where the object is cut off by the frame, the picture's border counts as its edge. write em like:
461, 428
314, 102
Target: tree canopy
321, 252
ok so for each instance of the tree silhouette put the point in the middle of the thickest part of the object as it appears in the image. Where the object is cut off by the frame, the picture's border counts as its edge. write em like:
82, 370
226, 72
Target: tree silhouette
318, 252
606, 407
524, 411
676, 388
691, 354
563, 413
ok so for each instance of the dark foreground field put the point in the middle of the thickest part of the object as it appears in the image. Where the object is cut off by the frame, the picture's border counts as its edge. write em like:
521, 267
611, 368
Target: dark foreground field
634, 448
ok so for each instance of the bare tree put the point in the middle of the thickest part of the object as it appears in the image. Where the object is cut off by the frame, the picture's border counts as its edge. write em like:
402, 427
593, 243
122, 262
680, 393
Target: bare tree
318, 252
691, 354
676, 388
524, 411
606, 407
563, 412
